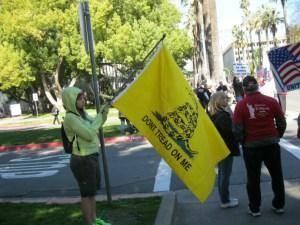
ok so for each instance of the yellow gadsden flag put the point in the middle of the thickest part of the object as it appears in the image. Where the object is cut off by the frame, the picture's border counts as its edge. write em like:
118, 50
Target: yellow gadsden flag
162, 105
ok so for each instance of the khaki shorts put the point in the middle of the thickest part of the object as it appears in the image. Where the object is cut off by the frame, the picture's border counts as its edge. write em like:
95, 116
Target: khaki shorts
86, 171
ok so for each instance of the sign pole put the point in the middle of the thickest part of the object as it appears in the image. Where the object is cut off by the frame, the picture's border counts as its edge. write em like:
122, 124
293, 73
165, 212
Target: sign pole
36, 108
86, 32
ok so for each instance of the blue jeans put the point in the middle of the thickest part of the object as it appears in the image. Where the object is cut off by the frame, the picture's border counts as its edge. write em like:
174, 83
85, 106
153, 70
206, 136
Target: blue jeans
224, 172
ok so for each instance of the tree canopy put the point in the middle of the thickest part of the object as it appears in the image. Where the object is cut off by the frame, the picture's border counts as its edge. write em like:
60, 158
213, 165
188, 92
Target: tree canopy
41, 44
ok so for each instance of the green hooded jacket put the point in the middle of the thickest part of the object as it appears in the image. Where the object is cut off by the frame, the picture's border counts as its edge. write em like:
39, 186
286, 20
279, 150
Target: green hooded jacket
86, 130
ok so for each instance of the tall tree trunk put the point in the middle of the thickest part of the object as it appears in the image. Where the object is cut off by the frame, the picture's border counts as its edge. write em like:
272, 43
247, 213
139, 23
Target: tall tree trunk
274, 39
239, 55
251, 45
55, 100
260, 49
212, 40
48, 94
287, 31
244, 55
199, 56
195, 69
267, 39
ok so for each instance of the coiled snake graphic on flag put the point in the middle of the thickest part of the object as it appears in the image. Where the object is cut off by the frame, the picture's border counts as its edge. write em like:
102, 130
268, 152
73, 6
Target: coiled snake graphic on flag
181, 123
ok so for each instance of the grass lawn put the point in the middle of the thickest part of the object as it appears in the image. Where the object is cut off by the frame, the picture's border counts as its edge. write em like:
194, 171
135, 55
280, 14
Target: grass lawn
29, 119
22, 137
140, 211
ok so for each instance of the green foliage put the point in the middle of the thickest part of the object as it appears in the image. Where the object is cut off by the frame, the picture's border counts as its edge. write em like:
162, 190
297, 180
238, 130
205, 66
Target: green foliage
295, 33
128, 30
15, 71
245, 6
37, 29
238, 36
252, 68
41, 34
228, 72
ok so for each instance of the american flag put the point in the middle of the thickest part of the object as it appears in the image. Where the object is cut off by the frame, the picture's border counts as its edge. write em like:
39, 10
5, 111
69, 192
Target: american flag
285, 64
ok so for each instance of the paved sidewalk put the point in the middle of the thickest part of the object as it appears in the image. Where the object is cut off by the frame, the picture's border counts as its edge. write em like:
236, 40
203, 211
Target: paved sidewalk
189, 211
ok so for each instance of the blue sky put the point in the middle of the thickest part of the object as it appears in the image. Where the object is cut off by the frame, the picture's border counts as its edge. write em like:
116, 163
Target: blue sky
230, 14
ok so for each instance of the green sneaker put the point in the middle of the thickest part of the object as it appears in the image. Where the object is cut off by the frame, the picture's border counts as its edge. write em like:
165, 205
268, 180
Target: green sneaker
99, 221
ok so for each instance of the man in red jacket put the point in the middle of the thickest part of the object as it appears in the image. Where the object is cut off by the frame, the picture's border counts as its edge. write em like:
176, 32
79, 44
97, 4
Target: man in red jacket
258, 124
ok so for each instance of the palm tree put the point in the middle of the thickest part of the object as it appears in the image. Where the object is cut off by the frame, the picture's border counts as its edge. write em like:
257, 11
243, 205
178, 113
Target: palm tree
196, 25
238, 40
203, 24
248, 22
245, 5
295, 33
284, 9
275, 19
266, 12
212, 39
257, 28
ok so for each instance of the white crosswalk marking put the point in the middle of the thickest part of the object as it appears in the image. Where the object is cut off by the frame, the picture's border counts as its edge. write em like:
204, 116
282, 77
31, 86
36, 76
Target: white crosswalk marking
163, 177
293, 149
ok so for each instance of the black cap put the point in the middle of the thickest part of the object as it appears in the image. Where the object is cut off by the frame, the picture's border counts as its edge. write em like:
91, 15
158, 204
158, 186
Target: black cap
250, 84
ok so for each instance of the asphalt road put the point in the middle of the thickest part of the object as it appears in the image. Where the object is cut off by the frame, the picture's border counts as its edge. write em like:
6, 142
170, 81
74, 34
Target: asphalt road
41, 173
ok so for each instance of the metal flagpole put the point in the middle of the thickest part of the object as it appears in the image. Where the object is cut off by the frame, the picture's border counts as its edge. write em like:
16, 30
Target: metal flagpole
86, 32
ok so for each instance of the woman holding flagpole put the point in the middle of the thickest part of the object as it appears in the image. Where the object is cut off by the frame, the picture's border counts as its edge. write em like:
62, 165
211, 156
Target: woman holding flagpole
84, 162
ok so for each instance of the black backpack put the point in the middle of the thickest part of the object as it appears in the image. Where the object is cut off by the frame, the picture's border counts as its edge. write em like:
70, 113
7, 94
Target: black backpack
68, 145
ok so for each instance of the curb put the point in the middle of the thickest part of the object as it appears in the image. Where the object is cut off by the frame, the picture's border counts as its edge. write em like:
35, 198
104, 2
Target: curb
74, 199
30, 146
166, 211
109, 140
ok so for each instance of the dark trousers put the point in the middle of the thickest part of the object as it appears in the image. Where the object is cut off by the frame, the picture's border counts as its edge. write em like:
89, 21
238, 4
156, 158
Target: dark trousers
56, 119
253, 158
